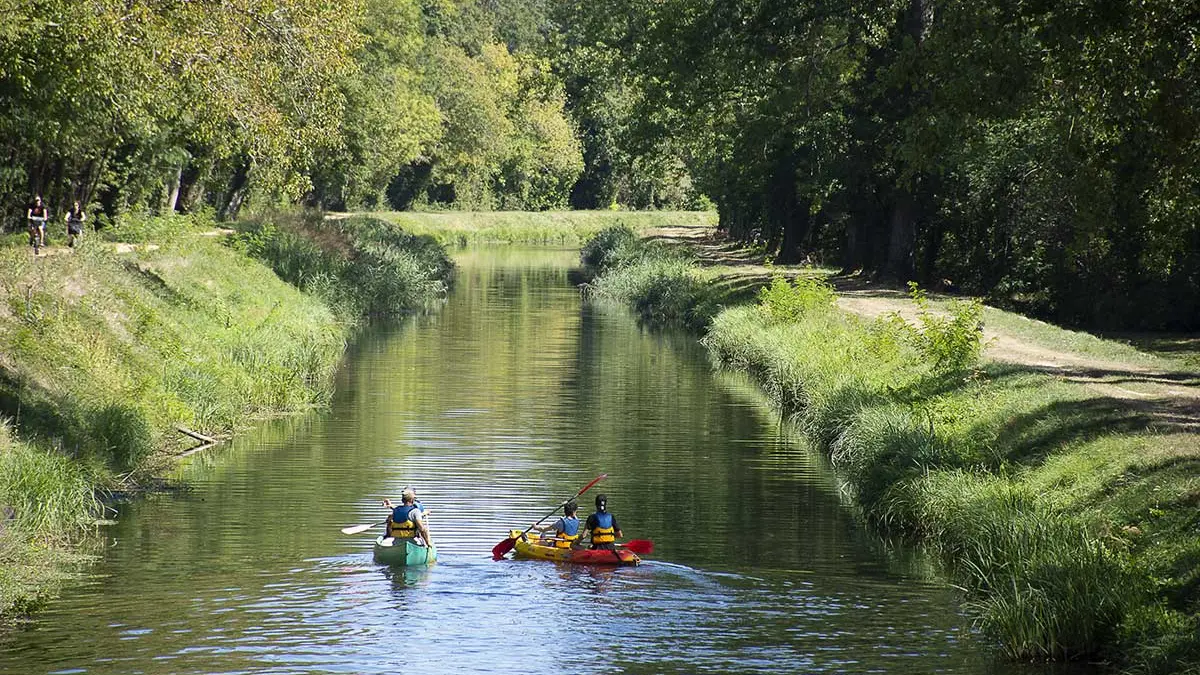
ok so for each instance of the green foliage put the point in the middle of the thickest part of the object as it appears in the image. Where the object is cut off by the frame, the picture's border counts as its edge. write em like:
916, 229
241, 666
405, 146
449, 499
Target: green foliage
359, 266
47, 492
122, 434
1041, 155
783, 301
1026, 483
661, 284
952, 343
561, 228
46, 501
608, 248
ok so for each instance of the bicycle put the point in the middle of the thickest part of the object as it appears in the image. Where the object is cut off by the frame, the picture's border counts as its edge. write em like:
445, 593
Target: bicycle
37, 225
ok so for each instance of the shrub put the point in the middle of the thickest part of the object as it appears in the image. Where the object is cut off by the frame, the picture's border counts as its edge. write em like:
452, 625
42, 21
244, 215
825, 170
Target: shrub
951, 343
608, 248
783, 301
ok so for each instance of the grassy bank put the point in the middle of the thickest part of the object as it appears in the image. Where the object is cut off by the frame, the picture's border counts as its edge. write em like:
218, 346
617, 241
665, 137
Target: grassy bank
1069, 518
106, 350
563, 228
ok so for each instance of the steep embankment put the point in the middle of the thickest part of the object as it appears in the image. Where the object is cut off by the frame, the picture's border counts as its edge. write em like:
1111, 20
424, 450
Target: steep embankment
106, 353
1065, 512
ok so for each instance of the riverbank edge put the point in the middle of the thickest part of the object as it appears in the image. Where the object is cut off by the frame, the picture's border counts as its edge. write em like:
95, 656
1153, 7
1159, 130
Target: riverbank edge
1065, 518
120, 353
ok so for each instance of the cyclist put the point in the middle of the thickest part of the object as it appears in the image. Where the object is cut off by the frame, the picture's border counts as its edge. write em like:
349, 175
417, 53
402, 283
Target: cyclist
36, 215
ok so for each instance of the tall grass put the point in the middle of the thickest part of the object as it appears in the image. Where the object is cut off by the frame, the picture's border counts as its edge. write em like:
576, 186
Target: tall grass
359, 266
46, 500
659, 282
991, 464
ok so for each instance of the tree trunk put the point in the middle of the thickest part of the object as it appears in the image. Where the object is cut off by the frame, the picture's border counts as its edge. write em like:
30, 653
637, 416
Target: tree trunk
795, 231
236, 194
902, 239
173, 186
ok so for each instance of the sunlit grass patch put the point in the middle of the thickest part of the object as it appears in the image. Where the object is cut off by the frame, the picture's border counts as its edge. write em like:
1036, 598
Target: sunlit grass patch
560, 228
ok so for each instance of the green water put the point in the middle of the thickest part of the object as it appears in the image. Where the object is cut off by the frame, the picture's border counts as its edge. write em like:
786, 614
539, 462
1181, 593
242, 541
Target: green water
494, 407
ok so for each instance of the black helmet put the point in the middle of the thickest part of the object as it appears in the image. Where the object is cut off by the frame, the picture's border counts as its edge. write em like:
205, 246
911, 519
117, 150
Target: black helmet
570, 508
601, 502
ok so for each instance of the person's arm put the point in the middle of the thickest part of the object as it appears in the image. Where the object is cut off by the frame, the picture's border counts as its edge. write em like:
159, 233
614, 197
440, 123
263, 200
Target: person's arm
587, 528
616, 528
556, 526
423, 529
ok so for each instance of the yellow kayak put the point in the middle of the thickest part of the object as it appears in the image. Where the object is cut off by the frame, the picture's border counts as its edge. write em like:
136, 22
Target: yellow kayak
580, 556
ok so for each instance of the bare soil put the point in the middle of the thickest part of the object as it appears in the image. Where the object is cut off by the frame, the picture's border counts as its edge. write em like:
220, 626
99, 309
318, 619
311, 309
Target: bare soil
1170, 397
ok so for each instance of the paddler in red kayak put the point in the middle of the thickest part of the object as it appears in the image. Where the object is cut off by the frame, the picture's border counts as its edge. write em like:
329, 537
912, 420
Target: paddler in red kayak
603, 527
566, 528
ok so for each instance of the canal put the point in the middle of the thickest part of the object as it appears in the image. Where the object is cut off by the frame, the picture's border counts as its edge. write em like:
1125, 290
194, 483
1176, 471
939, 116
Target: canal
494, 408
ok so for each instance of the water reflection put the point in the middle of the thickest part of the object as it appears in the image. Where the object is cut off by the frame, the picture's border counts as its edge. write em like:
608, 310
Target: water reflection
496, 408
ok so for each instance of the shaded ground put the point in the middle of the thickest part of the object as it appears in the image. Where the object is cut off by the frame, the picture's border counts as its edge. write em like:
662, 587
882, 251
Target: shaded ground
1169, 396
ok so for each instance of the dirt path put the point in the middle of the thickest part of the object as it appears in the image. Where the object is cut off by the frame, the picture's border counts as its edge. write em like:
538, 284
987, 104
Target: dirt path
1170, 397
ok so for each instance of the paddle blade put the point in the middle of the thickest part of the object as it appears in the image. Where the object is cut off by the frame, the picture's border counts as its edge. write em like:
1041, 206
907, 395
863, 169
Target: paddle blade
355, 529
639, 546
503, 547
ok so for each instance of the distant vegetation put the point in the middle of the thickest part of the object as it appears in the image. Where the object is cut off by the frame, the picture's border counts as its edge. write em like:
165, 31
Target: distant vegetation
561, 228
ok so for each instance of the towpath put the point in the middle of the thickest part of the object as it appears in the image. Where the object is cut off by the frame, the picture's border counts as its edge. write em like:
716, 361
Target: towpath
1166, 390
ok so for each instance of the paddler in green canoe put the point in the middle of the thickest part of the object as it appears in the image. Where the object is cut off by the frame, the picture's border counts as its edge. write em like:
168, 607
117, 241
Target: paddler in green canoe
407, 521
566, 529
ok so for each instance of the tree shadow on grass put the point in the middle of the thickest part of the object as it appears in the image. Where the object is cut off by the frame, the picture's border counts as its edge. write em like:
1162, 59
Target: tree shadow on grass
1031, 437
35, 415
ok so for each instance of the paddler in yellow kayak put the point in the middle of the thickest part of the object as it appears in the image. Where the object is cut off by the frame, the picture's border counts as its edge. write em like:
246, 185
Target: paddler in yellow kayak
603, 527
566, 528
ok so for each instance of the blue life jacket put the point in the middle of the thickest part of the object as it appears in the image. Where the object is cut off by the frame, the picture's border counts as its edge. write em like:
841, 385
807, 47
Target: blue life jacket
604, 533
404, 525
569, 534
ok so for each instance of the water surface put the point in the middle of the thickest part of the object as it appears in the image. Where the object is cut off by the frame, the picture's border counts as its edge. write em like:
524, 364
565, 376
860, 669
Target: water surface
494, 408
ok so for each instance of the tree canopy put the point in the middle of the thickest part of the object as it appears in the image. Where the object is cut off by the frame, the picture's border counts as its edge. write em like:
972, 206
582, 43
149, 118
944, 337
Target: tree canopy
1041, 154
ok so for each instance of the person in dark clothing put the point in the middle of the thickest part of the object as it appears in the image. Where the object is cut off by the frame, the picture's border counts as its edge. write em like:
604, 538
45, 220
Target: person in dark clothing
36, 214
75, 218
602, 526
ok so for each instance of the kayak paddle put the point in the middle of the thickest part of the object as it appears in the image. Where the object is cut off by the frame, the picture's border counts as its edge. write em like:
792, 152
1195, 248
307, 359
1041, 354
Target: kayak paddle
638, 546
505, 546
355, 529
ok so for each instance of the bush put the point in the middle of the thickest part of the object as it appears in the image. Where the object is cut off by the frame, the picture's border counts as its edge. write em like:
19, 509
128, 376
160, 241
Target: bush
783, 301
951, 343
608, 248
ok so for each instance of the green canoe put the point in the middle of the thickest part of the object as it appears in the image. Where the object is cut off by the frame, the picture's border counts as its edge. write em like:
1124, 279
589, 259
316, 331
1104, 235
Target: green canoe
390, 551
